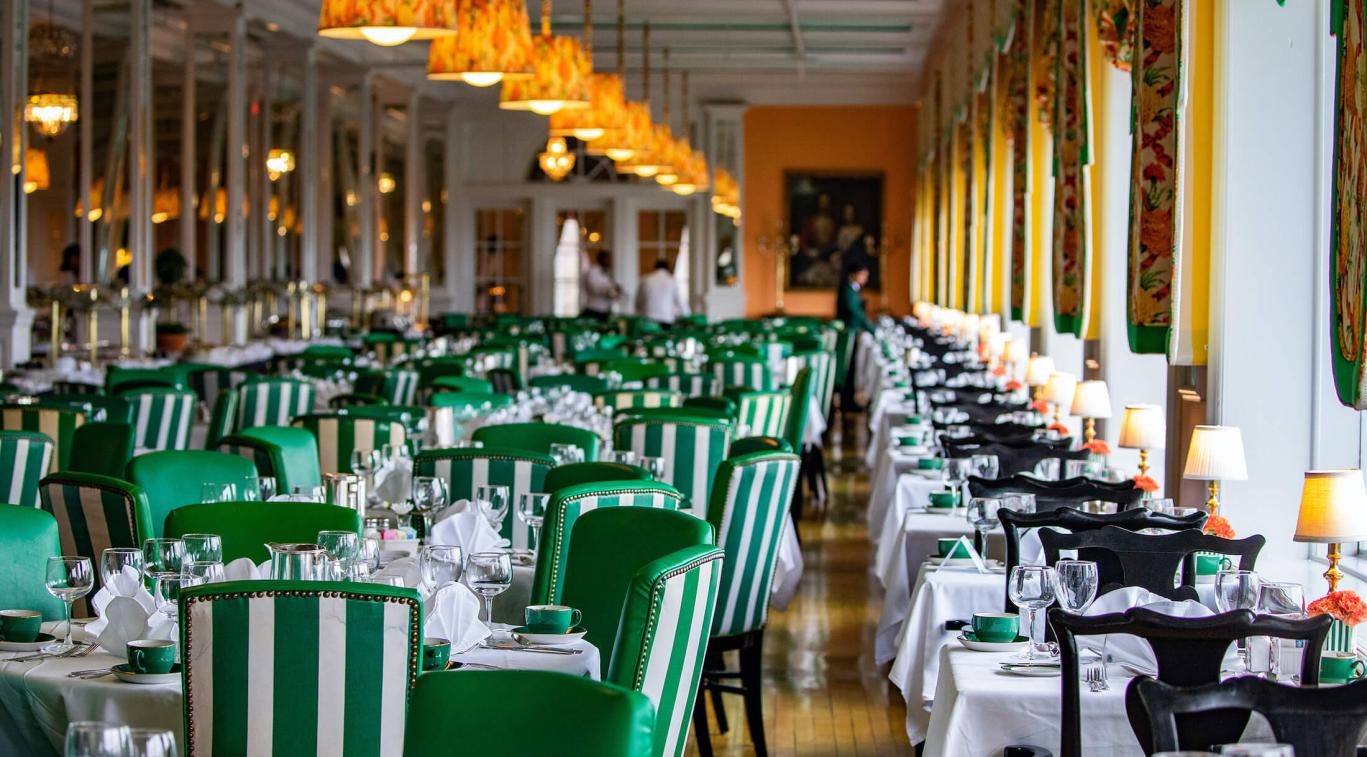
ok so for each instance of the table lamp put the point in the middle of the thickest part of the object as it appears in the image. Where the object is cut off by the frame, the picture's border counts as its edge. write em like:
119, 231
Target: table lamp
1333, 511
1091, 400
1143, 427
1014, 354
1037, 372
1216, 454
1058, 390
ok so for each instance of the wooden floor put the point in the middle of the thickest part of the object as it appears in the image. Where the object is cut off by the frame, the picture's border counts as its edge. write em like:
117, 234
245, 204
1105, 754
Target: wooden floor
823, 695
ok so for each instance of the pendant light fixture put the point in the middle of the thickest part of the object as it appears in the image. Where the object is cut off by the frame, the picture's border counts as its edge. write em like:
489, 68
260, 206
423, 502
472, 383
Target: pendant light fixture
387, 22
560, 77
643, 162
557, 161
493, 43
50, 112
666, 149
687, 161
606, 99
617, 142
37, 175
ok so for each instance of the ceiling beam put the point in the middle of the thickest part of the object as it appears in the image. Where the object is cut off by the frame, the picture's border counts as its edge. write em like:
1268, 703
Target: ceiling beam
799, 48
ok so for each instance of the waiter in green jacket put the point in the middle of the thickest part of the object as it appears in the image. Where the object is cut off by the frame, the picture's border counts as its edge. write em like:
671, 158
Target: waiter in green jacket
849, 309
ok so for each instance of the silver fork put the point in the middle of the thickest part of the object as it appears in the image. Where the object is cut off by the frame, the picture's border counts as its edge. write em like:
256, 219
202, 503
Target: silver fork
80, 646
1096, 678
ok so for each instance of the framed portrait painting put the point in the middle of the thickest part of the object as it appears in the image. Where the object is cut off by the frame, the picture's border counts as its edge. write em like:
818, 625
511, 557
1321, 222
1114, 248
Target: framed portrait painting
834, 219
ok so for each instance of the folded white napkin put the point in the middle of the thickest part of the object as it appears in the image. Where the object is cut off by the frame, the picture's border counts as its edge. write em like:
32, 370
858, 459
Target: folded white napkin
124, 619
466, 529
405, 568
1129, 649
394, 480
453, 614
128, 583
243, 569
1031, 550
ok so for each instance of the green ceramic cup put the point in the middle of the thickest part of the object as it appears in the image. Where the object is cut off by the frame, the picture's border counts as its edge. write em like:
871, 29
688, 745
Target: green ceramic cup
151, 655
943, 547
1208, 564
943, 499
914, 420
996, 627
436, 653
929, 463
20, 625
909, 441
1341, 667
551, 618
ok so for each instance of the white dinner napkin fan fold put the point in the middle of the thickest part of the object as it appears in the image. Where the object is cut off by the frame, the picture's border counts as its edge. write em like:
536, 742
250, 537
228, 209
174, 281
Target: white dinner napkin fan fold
1128, 649
466, 529
453, 614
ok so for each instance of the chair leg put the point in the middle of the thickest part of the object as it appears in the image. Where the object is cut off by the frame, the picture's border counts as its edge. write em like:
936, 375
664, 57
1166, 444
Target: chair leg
751, 668
716, 661
700, 734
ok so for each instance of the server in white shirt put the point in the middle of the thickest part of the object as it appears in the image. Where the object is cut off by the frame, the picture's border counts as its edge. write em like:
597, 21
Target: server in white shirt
658, 297
599, 290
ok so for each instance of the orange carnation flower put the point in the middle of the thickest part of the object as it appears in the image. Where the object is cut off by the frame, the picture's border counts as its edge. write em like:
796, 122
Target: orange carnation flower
1039, 406
1059, 427
1344, 606
1146, 484
1097, 447
1013, 385
1216, 525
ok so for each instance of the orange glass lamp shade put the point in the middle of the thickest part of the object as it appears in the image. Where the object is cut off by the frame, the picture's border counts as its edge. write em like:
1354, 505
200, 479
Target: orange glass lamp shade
560, 78
635, 127
604, 117
694, 178
387, 22
493, 42
667, 152
647, 161
37, 175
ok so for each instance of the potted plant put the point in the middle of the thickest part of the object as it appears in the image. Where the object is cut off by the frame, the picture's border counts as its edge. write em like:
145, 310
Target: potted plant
1348, 610
172, 337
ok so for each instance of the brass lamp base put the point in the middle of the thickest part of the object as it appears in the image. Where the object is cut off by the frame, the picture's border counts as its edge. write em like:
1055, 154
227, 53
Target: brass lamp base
1088, 430
1213, 501
1334, 575
1143, 462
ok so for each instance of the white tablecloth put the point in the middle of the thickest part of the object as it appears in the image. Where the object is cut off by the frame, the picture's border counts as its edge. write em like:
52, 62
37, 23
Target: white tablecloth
588, 663
887, 473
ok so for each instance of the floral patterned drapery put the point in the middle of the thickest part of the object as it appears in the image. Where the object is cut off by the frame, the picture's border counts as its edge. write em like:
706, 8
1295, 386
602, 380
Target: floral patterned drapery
1348, 241
1072, 153
1113, 26
1017, 115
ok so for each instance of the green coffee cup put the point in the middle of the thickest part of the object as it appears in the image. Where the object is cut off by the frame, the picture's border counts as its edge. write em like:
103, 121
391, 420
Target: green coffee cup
944, 547
1341, 667
996, 627
943, 499
436, 653
914, 420
20, 625
909, 441
151, 655
929, 463
1208, 563
551, 618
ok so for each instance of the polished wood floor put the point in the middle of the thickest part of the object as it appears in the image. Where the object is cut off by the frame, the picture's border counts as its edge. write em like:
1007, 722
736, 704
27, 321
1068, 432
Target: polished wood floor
823, 695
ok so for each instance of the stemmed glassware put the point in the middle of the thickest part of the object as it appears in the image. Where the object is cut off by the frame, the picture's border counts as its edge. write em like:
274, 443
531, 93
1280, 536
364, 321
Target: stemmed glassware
624, 456
364, 462
1021, 503
207, 571
344, 546
429, 496
68, 579
1077, 585
210, 492
565, 454
1033, 587
656, 466
267, 486
118, 561
491, 573
493, 504
1281, 599
982, 513
985, 466
441, 564
163, 557
1237, 590
150, 742
531, 509
86, 738
203, 547
168, 588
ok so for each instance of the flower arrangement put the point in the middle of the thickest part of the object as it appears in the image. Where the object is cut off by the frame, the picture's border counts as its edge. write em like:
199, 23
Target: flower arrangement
1216, 525
1059, 427
1097, 447
1344, 606
1014, 385
1145, 484
999, 371
1039, 406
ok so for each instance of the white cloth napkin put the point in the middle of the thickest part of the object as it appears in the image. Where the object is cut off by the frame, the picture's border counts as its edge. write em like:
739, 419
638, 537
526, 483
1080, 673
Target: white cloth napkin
453, 614
405, 568
466, 529
125, 619
1129, 649
394, 480
243, 569
128, 583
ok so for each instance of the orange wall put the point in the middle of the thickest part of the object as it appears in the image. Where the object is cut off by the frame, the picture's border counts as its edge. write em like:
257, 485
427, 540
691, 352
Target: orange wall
781, 138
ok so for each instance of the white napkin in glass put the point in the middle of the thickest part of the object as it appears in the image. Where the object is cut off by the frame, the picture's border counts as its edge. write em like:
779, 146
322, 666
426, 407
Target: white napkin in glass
243, 569
394, 480
466, 529
125, 620
405, 568
128, 583
453, 614
1129, 649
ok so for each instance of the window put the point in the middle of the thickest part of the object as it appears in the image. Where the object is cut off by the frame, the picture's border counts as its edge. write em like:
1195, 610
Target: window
500, 245
659, 236
583, 234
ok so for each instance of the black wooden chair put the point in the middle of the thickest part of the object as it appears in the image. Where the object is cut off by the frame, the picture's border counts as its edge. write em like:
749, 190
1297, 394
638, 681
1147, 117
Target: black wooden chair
1051, 495
1189, 652
1314, 721
1013, 460
1005, 432
1149, 561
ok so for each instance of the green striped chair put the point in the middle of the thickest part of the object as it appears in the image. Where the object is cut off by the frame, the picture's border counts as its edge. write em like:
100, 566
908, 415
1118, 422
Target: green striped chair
573, 381
354, 399
117, 376
327, 352
567, 505
749, 510
465, 470
28, 537
463, 384
161, 418
338, 435
662, 638
173, 478
494, 357
58, 425
692, 447
287, 454
629, 398
298, 667
25, 457
635, 370
477, 400
742, 371
221, 420
574, 474
765, 413
246, 527
76, 387
208, 380
688, 384
538, 437
397, 386
272, 402
504, 380
95, 513
823, 364
432, 368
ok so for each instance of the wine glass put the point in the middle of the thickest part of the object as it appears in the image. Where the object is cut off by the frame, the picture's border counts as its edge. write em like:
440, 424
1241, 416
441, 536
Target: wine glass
1032, 587
203, 547
251, 488
493, 501
267, 486
656, 466
1021, 503
163, 556
624, 456
441, 564
531, 509
1077, 585
1237, 590
168, 588
1281, 599
86, 738
344, 546
982, 513
364, 462
212, 491
68, 579
150, 742
491, 573
985, 466
208, 571
119, 561
369, 555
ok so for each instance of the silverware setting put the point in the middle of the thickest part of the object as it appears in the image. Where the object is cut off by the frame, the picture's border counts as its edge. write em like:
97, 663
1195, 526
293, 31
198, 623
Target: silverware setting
1095, 676
81, 649
542, 650
86, 675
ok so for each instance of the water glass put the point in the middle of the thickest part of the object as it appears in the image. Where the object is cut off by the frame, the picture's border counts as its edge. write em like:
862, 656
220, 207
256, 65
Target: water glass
168, 588
491, 573
1282, 599
68, 579
1236, 590
1032, 587
1047, 469
531, 509
658, 467
267, 486
441, 564
251, 488
207, 571
118, 561
203, 547
364, 461
985, 466
86, 738
150, 742
344, 546
369, 556
565, 454
1020, 503
982, 513
624, 456
1077, 585
210, 492
164, 556
493, 504
1081, 469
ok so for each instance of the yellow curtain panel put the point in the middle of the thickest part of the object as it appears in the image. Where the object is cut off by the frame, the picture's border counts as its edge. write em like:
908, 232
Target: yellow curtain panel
1348, 226
1000, 191
1191, 286
1040, 199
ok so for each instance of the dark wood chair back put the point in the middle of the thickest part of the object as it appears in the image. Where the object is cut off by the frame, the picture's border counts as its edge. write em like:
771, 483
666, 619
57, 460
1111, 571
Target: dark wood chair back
1012, 460
1149, 561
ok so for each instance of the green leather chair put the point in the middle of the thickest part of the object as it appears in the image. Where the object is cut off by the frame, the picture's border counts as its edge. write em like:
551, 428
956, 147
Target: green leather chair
117, 376
398, 386
505, 380
687, 384
467, 469
173, 478
634, 370
609, 545
670, 598
287, 454
574, 474
566, 507
106, 447
354, 399
161, 418
327, 352
246, 527
28, 537
692, 447
765, 413
339, 435
720, 407
633, 398
538, 437
95, 513
25, 457
407, 416
463, 384
573, 381
272, 402
488, 708
252, 652
94, 406
481, 401
56, 424
758, 444
795, 429
749, 510
208, 380
429, 369
737, 370
76, 387
221, 420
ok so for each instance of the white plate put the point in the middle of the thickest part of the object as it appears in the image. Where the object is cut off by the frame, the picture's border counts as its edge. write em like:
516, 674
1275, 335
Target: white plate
548, 639
28, 646
990, 646
146, 679
1031, 671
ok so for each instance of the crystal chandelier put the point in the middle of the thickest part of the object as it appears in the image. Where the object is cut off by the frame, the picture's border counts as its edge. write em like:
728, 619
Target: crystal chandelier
557, 161
51, 113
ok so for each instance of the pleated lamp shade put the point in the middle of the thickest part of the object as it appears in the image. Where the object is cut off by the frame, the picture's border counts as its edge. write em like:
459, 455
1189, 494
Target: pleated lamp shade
1091, 399
1038, 370
1216, 453
604, 117
1333, 507
387, 22
1015, 352
1143, 427
493, 42
1059, 389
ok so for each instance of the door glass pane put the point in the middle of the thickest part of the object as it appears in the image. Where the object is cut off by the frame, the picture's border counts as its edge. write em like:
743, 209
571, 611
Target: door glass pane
500, 285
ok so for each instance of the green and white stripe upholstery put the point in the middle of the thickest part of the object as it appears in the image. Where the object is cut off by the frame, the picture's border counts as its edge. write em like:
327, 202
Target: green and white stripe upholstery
54, 423
663, 636
504, 380
739, 371
400, 387
692, 447
339, 435
465, 470
572, 381
76, 387
208, 381
630, 398
749, 510
495, 357
25, 457
567, 505
823, 365
765, 413
272, 402
688, 384
795, 430
161, 418
95, 513
221, 421
298, 667
285, 453
388, 352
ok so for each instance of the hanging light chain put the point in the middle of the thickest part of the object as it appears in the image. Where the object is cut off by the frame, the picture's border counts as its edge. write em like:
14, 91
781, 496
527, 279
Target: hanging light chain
622, 41
588, 29
545, 18
645, 64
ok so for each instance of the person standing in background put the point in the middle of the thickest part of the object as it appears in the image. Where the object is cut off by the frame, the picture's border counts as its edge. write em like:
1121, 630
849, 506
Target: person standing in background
599, 290
658, 297
849, 310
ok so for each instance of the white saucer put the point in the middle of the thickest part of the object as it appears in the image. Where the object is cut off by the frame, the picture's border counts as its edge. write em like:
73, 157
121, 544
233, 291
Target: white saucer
548, 639
36, 645
146, 679
994, 646
955, 562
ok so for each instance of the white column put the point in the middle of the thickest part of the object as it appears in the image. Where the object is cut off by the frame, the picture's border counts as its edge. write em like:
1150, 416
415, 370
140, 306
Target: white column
87, 139
142, 168
264, 241
459, 234
415, 187
363, 257
187, 155
15, 317
539, 257
626, 266
235, 252
322, 218
307, 166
